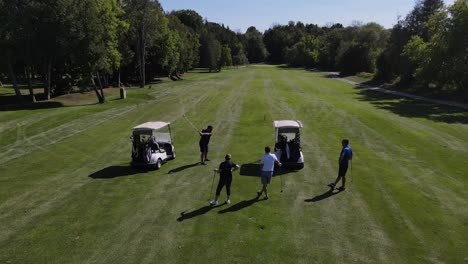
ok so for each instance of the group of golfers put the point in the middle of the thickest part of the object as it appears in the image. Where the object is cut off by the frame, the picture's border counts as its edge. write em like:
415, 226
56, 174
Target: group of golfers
268, 162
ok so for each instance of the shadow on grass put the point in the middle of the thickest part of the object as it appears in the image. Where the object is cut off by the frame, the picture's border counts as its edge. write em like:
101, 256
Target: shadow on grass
197, 212
322, 196
254, 170
181, 168
116, 171
408, 107
241, 205
11, 103
250, 169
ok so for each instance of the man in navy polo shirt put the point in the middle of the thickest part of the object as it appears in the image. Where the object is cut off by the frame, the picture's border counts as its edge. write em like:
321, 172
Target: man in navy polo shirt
225, 178
345, 156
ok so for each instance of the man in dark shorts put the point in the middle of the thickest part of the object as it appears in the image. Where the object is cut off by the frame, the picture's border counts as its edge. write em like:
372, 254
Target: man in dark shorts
205, 136
225, 178
345, 156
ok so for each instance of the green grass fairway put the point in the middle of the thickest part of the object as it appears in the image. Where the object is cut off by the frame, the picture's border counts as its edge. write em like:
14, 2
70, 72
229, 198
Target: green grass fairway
67, 194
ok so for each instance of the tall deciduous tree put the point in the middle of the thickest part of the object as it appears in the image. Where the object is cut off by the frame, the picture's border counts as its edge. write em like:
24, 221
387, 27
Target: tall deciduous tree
256, 50
146, 23
443, 60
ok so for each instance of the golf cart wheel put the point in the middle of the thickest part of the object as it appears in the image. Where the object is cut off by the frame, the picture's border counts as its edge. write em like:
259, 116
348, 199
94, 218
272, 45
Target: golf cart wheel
173, 154
158, 164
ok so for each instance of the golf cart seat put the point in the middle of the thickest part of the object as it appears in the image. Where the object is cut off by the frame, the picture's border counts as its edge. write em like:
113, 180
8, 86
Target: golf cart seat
167, 147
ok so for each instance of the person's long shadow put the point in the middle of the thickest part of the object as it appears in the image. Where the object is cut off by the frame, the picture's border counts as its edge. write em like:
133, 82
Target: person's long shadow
116, 171
200, 211
241, 205
322, 196
254, 170
181, 168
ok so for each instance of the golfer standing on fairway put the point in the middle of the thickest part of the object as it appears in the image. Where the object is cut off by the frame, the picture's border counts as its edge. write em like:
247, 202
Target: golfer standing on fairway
225, 178
268, 160
345, 156
205, 136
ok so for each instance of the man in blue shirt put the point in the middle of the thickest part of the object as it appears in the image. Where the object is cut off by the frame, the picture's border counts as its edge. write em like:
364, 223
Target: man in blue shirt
345, 156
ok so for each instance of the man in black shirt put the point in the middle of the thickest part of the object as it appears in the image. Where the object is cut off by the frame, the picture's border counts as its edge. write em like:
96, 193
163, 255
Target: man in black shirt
225, 178
205, 136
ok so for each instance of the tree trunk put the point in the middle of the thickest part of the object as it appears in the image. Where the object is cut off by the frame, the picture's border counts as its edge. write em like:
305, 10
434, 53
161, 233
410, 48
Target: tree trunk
15, 83
96, 90
47, 77
118, 79
31, 90
105, 79
103, 99
141, 48
1, 84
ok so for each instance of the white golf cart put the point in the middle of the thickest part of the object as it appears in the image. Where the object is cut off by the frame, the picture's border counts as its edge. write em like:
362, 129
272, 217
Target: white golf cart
288, 143
152, 144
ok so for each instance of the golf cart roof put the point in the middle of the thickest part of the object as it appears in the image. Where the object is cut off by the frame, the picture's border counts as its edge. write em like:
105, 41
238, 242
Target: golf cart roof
151, 125
287, 123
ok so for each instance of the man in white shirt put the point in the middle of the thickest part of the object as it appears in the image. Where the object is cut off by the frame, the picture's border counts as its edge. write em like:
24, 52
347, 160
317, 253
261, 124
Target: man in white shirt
268, 160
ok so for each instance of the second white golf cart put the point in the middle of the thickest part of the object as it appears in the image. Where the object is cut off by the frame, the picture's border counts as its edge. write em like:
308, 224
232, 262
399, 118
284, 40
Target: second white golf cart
152, 144
288, 143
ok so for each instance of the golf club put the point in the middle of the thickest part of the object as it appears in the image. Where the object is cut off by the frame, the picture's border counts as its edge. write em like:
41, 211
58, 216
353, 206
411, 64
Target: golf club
191, 124
211, 190
281, 178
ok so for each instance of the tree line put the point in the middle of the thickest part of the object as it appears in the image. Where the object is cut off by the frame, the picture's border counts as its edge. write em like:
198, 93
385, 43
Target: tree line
87, 43
426, 50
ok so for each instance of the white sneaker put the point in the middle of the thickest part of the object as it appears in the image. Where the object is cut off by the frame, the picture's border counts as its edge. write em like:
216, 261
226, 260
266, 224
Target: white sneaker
214, 202
228, 201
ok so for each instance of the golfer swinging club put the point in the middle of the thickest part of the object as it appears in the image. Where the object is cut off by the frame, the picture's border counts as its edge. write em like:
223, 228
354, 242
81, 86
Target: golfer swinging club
205, 136
345, 156
268, 160
225, 178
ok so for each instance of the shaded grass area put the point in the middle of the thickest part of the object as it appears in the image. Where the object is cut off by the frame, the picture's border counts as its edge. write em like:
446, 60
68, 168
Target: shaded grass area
9, 101
415, 108
68, 195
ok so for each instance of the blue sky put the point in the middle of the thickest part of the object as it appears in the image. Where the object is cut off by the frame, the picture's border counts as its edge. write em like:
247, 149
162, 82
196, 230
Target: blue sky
240, 14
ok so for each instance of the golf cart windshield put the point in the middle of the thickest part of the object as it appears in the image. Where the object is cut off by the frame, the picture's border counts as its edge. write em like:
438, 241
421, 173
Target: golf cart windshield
287, 130
288, 133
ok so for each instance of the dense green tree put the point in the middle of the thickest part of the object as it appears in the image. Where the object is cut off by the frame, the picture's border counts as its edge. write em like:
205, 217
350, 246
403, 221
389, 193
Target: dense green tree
188, 47
391, 63
416, 20
147, 24
210, 51
225, 58
190, 18
10, 37
443, 60
256, 51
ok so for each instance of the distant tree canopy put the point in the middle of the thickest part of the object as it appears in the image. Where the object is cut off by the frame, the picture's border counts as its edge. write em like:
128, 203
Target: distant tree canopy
85, 43
349, 49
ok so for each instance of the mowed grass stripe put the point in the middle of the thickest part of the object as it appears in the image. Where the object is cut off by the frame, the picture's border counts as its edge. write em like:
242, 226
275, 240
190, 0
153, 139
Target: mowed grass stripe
143, 241
408, 174
98, 147
335, 226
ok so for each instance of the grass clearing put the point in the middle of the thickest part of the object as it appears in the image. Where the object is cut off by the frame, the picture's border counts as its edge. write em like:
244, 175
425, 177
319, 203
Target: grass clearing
67, 194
